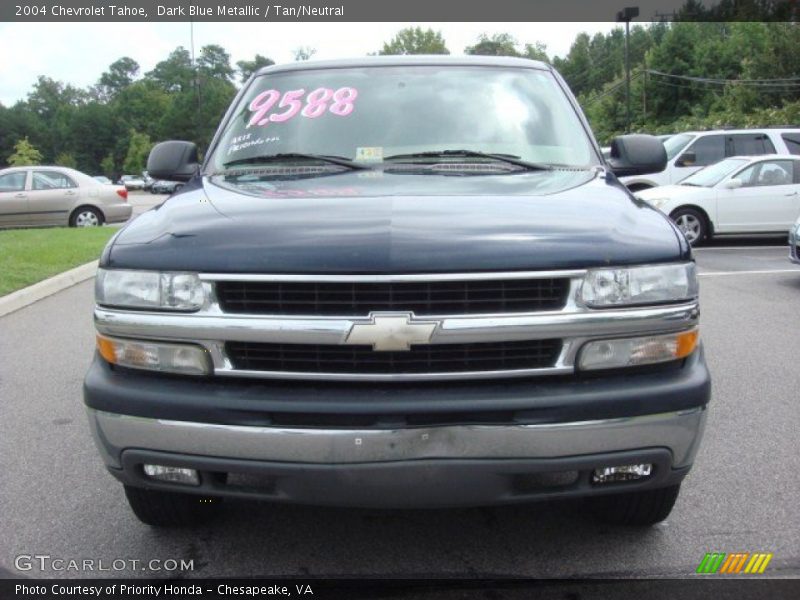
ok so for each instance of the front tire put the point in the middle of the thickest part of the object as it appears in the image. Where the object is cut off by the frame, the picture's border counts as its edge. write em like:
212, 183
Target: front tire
636, 509
171, 509
692, 224
86, 216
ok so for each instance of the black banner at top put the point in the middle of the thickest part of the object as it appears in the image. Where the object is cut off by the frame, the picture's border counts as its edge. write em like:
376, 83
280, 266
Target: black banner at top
393, 10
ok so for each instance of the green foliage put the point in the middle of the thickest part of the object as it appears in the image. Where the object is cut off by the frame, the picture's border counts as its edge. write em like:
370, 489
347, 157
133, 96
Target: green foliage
24, 154
108, 167
248, 67
504, 44
65, 159
415, 40
138, 151
120, 75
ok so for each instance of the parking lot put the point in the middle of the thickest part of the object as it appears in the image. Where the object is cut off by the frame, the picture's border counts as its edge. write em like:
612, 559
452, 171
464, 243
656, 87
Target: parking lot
57, 499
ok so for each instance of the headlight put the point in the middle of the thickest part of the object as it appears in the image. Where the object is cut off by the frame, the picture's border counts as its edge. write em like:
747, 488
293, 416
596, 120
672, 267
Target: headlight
655, 202
166, 357
631, 352
653, 284
149, 289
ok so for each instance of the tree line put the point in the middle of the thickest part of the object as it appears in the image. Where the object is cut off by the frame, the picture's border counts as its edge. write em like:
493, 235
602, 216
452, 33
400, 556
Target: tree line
685, 75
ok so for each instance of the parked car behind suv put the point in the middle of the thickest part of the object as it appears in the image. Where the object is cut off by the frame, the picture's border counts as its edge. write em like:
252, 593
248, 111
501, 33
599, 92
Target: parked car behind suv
46, 196
690, 151
400, 282
742, 194
132, 182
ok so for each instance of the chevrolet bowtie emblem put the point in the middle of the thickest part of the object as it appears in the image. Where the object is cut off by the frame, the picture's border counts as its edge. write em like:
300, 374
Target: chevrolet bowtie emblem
391, 331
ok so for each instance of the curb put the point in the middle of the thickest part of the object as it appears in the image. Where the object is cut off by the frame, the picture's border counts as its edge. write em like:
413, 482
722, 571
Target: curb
33, 293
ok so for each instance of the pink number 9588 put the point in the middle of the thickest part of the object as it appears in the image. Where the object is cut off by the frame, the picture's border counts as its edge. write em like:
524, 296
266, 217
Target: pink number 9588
317, 102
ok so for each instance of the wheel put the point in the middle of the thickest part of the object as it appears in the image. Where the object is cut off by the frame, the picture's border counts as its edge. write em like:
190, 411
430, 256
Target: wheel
692, 223
86, 216
171, 509
635, 508
177, 188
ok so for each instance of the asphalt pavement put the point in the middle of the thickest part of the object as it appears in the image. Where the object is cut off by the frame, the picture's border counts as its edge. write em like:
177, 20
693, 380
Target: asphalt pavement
742, 496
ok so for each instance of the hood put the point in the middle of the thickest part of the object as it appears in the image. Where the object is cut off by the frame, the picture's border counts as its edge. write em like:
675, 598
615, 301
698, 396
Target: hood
381, 222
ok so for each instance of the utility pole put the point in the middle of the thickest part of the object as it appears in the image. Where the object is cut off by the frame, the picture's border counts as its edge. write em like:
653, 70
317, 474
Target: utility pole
627, 14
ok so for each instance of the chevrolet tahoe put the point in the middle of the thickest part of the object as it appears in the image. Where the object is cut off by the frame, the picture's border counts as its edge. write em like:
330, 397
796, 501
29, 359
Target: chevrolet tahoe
400, 282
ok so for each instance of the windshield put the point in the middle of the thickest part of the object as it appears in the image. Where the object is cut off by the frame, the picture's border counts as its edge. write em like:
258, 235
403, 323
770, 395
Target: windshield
713, 174
367, 114
676, 143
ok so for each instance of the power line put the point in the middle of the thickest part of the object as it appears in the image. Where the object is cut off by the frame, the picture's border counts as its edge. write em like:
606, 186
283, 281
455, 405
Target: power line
777, 82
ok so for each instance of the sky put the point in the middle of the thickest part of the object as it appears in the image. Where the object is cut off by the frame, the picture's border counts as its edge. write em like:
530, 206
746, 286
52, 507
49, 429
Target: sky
78, 53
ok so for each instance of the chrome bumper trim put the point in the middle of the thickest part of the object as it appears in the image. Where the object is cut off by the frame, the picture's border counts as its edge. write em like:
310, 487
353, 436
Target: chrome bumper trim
680, 432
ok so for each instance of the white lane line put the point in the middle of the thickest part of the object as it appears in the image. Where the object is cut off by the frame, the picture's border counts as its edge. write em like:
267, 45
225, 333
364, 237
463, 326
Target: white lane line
784, 247
764, 272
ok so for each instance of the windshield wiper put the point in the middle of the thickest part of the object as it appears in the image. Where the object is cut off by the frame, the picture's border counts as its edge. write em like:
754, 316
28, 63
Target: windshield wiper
506, 158
691, 184
268, 158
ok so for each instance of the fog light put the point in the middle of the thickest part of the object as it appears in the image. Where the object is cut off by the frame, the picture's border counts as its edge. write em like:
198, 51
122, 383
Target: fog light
173, 474
622, 473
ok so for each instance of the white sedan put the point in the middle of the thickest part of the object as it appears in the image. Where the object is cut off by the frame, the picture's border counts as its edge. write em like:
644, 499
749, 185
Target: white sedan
741, 194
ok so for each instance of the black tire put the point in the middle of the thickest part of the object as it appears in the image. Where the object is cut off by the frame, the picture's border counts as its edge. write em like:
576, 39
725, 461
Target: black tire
636, 509
177, 188
83, 213
693, 224
171, 509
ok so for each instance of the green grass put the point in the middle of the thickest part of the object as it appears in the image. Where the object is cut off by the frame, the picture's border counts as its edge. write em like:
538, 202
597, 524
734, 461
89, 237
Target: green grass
31, 255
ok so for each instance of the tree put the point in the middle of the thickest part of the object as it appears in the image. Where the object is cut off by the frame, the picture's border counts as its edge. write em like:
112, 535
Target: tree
415, 40
304, 53
174, 74
120, 75
138, 151
24, 154
248, 67
65, 159
498, 44
536, 51
215, 62
108, 166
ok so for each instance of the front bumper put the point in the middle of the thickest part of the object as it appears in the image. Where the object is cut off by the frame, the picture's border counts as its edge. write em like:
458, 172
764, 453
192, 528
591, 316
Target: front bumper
424, 467
555, 434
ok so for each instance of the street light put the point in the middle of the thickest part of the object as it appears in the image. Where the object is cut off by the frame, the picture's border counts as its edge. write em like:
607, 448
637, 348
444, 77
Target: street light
627, 14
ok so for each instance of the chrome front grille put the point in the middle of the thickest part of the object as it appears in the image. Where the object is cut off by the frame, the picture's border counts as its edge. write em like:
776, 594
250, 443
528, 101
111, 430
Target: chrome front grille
358, 298
452, 326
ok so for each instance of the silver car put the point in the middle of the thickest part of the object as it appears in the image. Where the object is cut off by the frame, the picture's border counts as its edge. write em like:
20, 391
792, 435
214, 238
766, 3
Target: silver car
42, 196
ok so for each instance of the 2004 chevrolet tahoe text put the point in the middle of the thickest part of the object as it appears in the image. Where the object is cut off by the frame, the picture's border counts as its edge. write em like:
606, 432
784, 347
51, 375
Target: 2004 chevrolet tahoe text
399, 282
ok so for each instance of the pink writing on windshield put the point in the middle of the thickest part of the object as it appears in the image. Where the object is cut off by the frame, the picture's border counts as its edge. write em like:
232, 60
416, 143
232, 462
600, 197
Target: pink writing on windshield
319, 101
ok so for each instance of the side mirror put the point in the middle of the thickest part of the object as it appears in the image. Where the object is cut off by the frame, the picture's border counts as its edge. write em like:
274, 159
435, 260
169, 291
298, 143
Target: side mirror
732, 184
173, 161
687, 159
637, 154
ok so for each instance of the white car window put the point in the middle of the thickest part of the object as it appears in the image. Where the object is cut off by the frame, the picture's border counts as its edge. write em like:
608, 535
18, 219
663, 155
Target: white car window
13, 182
771, 172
